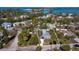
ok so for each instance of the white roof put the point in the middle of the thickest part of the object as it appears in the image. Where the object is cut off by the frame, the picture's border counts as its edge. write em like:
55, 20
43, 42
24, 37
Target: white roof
6, 24
76, 39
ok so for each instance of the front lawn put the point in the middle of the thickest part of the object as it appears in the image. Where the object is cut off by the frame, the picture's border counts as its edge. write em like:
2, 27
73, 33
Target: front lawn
25, 38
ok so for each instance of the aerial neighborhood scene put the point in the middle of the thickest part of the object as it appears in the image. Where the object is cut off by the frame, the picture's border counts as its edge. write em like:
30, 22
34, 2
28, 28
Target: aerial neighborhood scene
39, 29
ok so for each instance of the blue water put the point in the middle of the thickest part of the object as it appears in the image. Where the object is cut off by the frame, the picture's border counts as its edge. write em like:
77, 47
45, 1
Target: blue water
46, 10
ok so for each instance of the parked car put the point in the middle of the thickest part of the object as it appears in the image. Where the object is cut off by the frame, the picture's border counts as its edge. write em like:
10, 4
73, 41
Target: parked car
76, 45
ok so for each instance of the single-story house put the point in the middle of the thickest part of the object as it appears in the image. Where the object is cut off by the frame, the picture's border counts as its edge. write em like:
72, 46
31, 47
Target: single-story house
7, 25
18, 23
69, 34
76, 39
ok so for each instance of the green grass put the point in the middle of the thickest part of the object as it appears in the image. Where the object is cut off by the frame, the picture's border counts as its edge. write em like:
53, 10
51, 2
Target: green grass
53, 38
24, 40
46, 42
58, 37
65, 48
75, 49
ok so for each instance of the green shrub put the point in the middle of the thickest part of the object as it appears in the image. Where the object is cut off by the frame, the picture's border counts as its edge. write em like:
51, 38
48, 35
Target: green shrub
65, 48
22, 39
34, 40
75, 49
1, 45
22, 42
38, 48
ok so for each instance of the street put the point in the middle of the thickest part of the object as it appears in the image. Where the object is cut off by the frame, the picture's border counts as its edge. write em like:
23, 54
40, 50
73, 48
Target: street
13, 45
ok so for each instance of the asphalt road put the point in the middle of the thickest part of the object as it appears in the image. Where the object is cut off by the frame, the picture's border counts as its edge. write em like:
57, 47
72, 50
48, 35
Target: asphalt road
13, 45
44, 48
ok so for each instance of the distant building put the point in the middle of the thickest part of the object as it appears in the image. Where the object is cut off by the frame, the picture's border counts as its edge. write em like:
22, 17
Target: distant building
69, 34
42, 17
19, 23
16, 18
51, 26
59, 17
45, 16
70, 16
7, 25
23, 16
49, 15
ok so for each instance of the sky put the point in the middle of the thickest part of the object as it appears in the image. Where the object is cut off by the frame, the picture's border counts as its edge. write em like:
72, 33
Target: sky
39, 3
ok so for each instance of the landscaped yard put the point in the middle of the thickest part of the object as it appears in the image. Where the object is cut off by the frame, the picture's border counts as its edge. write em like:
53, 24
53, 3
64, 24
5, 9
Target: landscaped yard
25, 38
58, 38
